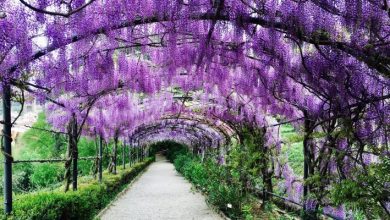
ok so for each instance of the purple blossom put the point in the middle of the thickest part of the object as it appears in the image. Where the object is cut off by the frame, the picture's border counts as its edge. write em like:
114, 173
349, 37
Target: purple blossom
156, 70
310, 204
338, 212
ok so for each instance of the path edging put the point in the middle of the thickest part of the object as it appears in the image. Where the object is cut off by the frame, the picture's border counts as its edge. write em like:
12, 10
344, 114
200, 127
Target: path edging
211, 206
121, 193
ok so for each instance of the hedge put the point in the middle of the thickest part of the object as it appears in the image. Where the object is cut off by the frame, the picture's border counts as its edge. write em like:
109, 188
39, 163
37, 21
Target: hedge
82, 204
215, 181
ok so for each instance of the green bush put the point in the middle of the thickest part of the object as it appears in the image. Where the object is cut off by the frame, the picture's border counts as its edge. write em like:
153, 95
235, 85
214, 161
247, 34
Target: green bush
82, 204
214, 180
225, 186
364, 191
40, 144
45, 175
174, 150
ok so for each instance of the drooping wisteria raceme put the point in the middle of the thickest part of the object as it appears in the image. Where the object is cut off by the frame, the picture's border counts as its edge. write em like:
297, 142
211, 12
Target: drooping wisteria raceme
117, 65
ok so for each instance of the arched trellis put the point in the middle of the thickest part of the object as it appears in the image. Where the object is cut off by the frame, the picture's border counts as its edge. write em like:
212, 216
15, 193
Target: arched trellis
213, 126
260, 20
197, 133
191, 140
158, 137
195, 141
188, 139
215, 123
205, 132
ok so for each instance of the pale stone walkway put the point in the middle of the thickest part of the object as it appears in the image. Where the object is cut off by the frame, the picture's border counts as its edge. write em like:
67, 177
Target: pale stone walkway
160, 193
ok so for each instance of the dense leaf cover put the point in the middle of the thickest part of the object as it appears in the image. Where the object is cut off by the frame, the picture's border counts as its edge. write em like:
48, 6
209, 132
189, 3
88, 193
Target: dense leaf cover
120, 65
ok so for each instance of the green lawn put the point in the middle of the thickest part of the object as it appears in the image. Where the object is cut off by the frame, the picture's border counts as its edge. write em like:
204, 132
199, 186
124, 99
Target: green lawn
292, 147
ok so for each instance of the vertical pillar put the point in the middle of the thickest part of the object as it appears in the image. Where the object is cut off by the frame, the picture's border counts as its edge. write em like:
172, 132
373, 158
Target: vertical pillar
123, 155
307, 165
115, 153
129, 151
75, 153
306, 159
266, 174
100, 159
137, 152
7, 147
130, 155
142, 152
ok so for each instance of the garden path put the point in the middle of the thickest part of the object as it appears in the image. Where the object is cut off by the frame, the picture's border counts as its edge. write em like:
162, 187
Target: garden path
160, 193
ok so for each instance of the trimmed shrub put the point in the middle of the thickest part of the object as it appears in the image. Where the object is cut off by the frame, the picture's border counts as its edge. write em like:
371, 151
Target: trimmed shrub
214, 180
82, 204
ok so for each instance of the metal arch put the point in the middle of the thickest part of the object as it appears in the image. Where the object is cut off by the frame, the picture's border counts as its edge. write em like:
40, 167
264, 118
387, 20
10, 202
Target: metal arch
190, 131
189, 139
180, 125
185, 139
189, 136
222, 134
224, 128
197, 133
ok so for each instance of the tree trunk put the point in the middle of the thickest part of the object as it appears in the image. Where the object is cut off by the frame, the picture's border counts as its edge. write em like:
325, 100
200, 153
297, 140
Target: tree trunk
100, 168
68, 162
96, 162
308, 168
75, 153
112, 165
123, 155
265, 161
7, 147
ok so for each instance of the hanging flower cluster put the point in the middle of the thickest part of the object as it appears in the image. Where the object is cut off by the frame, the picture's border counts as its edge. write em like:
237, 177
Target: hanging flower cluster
122, 66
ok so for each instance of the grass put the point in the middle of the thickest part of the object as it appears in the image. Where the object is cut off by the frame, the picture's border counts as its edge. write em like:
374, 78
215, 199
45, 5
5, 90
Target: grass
292, 147
293, 153
289, 134
295, 157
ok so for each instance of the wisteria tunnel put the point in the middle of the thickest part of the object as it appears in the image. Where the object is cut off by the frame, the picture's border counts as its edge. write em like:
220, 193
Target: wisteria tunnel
223, 109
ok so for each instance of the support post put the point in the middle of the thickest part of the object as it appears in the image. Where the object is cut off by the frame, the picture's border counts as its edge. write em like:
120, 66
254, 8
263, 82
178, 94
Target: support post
265, 160
137, 150
69, 153
131, 156
129, 151
306, 159
307, 165
115, 154
7, 147
75, 153
100, 159
140, 154
123, 155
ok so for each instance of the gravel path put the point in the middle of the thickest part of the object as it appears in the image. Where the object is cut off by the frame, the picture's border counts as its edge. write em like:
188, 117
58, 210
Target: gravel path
160, 193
